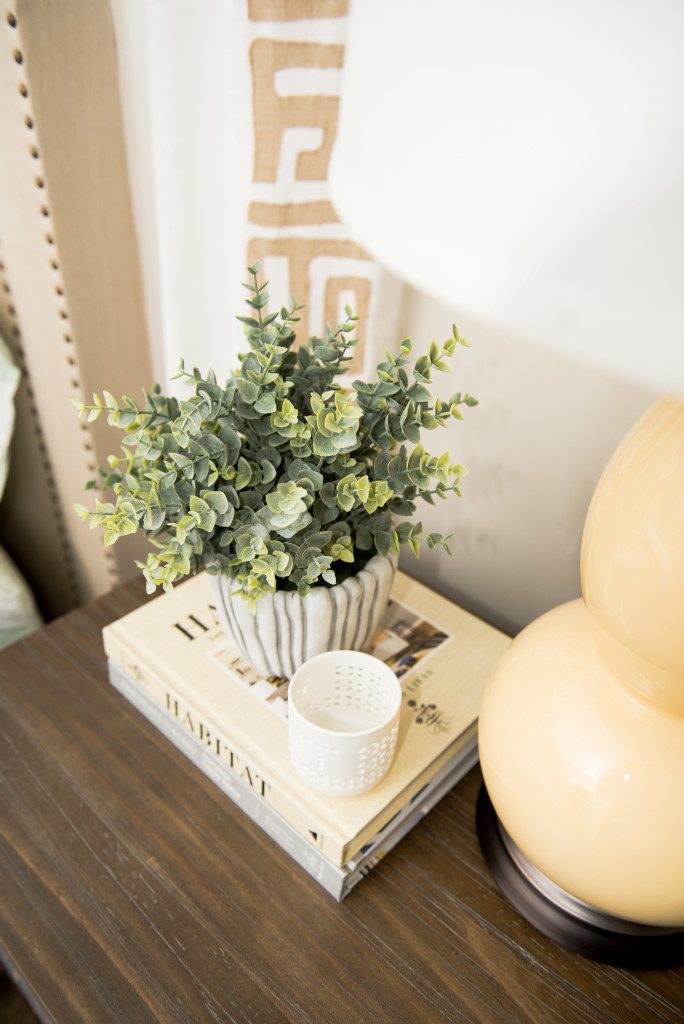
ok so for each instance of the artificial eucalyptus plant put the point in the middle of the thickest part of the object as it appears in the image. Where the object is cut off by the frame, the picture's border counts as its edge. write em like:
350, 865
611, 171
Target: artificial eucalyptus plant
282, 477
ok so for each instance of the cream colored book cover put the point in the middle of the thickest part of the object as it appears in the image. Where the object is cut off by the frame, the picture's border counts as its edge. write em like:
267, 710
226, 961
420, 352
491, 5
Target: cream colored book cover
177, 651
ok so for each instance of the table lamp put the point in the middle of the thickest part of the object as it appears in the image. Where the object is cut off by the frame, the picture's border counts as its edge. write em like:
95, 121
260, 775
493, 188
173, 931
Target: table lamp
582, 728
523, 163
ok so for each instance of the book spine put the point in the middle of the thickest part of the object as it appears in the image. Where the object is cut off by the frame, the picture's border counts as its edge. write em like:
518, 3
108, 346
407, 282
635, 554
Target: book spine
184, 713
379, 850
423, 801
338, 882
333, 879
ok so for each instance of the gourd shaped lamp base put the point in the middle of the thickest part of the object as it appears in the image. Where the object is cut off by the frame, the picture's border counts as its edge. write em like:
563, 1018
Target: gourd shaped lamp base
582, 727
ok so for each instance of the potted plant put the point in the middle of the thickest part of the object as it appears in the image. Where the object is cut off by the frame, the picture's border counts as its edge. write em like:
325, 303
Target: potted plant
292, 490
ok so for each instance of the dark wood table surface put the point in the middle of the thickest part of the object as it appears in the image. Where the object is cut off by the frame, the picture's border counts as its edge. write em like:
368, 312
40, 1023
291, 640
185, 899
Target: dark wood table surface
132, 890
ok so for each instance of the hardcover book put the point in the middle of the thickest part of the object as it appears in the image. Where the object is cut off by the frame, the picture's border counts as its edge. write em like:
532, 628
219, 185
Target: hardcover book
175, 651
338, 881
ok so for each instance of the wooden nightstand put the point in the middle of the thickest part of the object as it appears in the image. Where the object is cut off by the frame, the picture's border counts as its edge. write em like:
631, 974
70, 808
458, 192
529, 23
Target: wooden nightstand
131, 890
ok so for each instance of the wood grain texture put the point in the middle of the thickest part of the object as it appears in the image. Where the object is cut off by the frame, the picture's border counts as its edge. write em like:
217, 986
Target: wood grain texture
131, 890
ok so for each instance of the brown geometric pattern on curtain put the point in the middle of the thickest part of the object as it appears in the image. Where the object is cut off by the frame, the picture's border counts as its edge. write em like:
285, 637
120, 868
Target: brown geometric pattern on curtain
324, 267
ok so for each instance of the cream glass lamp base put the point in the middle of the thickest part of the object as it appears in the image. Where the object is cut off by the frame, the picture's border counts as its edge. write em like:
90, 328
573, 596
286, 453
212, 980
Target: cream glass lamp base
563, 918
581, 730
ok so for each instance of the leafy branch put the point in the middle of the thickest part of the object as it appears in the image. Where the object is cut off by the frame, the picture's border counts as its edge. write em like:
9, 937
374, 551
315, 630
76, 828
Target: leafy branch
282, 477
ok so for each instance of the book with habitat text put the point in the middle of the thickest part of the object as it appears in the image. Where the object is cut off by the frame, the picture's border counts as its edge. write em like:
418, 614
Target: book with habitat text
337, 881
175, 650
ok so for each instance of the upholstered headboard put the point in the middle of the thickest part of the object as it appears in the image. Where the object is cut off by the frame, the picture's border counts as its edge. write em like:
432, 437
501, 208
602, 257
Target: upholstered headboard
71, 301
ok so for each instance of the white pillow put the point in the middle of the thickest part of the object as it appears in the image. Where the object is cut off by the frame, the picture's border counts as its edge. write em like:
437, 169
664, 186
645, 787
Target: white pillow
18, 613
9, 381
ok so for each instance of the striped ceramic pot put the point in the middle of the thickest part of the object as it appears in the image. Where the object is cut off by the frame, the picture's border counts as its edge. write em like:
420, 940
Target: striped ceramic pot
288, 629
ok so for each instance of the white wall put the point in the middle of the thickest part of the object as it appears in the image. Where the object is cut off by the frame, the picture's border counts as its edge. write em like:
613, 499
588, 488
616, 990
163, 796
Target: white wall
535, 448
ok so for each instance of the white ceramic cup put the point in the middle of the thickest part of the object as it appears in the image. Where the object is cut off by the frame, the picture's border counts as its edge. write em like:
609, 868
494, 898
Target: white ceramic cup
343, 715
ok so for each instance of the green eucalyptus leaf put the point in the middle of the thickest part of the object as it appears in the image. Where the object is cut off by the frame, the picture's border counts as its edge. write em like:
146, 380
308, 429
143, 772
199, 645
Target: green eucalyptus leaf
248, 390
266, 403
284, 472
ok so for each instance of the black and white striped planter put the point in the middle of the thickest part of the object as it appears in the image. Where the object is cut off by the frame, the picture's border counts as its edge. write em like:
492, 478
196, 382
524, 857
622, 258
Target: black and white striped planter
288, 629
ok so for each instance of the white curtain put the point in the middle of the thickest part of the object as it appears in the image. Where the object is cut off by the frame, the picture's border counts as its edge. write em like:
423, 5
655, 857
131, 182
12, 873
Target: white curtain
231, 111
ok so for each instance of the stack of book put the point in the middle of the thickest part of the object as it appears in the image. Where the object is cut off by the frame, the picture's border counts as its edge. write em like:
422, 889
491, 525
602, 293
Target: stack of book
172, 659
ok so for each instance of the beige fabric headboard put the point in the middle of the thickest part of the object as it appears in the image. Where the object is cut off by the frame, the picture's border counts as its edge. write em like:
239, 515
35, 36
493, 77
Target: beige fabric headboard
71, 300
